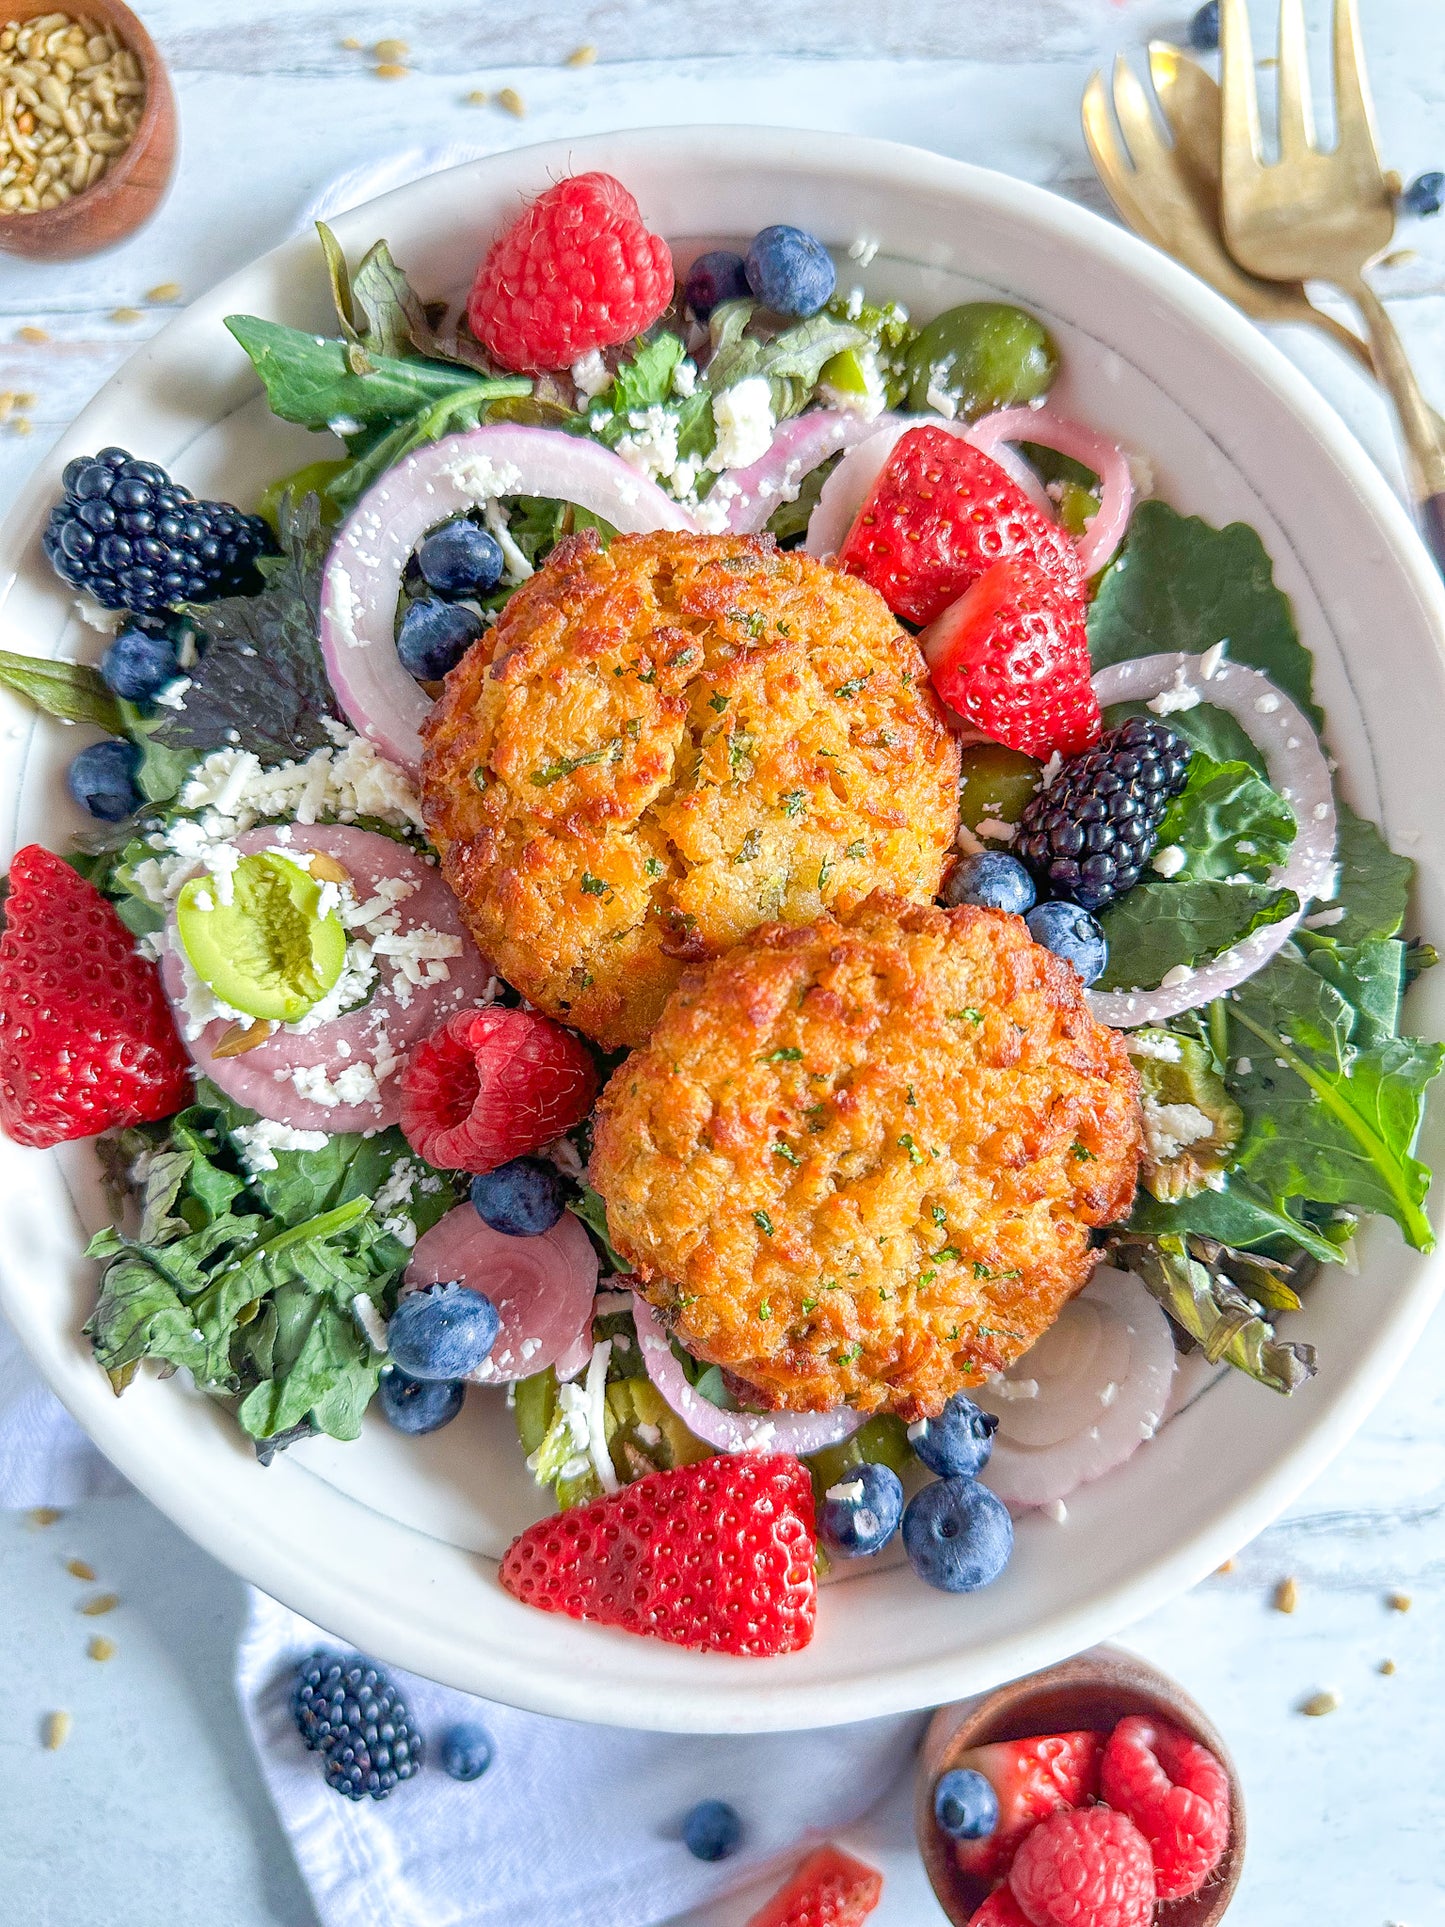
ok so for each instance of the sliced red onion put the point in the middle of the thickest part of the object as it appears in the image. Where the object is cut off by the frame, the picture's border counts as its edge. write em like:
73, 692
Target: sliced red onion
376, 1033
1108, 461
364, 569
542, 1287
799, 446
1084, 1397
1297, 769
851, 483
796, 1432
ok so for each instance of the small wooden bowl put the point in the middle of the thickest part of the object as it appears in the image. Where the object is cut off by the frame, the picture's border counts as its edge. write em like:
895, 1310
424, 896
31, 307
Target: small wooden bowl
129, 191
1096, 1689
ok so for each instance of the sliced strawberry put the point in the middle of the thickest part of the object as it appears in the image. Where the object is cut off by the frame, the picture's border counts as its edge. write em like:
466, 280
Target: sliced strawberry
493, 1084
1011, 657
718, 1555
1000, 1910
87, 1041
1031, 1778
940, 513
830, 1889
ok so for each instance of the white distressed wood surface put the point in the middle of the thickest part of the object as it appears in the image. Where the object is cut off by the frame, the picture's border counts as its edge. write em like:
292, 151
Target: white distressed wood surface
1347, 1814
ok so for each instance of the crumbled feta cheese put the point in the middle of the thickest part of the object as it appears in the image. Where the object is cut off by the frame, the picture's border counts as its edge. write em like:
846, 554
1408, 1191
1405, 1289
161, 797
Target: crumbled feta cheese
1213, 657
940, 401
743, 416
495, 517
1050, 771
994, 830
649, 1434
1011, 1388
258, 1143
1243, 1066
1173, 979
1172, 1128
107, 621
863, 250
173, 696
483, 479
1055, 1510
1325, 919
1161, 1046
1266, 705
591, 374
364, 1311
684, 378
1169, 861
1179, 696
850, 1492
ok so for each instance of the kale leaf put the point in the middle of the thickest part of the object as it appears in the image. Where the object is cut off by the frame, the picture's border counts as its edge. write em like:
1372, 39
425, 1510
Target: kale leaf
1164, 923
1373, 888
1214, 732
1229, 823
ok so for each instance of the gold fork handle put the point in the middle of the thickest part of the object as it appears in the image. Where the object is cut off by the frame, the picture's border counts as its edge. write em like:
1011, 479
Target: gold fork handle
1418, 422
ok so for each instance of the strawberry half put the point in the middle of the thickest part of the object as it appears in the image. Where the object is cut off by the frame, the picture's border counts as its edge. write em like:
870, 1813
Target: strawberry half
1012, 658
493, 1084
939, 515
87, 1041
830, 1889
1032, 1779
717, 1555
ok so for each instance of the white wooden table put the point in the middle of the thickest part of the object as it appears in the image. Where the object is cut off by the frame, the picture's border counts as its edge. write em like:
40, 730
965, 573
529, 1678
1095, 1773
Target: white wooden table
153, 1816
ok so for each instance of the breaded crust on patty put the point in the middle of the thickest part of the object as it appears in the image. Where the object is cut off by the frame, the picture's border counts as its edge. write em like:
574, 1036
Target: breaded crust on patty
860, 1162
672, 741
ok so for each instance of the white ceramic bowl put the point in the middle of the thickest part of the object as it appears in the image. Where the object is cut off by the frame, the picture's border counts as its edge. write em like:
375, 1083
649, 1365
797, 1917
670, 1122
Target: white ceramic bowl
391, 1542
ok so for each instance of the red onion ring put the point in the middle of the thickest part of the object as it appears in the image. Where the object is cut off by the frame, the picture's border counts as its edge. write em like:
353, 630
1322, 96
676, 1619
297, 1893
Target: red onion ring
795, 1432
799, 446
364, 569
1297, 769
1108, 461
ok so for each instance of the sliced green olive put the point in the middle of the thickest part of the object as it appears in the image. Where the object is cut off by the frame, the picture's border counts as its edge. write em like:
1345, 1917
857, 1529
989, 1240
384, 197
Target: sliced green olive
995, 784
269, 952
983, 356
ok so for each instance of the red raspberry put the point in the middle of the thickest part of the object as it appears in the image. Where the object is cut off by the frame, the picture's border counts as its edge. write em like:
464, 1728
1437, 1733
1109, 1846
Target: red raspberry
491, 1085
1031, 1778
87, 1041
940, 514
1000, 1910
1176, 1793
1012, 658
718, 1555
1084, 1867
830, 1889
577, 270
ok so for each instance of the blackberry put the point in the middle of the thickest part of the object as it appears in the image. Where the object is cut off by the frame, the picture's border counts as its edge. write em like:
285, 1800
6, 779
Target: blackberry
128, 535
1088, 836
347, 1710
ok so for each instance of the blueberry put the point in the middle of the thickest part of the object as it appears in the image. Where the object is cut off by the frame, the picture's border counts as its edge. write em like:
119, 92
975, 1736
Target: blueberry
434, 637
965, 1804
522, 1197
715, 277
1204, 28
789, 270
138, 666
466, 1751
1071, 933
418, 1405
957, 1534
860, 1513
444, 1332
712, 1830
994, 880
102, 779
461, 560
1425, 194
956, 1444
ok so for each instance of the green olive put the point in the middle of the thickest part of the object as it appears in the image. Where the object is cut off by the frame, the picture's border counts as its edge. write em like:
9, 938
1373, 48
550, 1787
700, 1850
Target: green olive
269, 951
995, 784
984, 355
882, 1441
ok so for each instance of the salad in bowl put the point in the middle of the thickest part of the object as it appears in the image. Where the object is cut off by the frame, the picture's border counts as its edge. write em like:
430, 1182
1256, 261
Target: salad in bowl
724, 871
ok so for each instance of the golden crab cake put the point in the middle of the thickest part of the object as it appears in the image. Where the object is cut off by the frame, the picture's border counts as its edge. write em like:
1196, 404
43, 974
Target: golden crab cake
671, 741
860, 1161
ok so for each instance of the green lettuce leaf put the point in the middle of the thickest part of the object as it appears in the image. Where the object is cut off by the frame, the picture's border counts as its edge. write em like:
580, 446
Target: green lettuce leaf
1229, 823
1373, 888
645, 380
1208, 1304
1164, 923
1178, 584
73, 691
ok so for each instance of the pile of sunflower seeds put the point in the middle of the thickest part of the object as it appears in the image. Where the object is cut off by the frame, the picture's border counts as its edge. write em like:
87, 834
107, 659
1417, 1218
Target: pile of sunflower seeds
71, 98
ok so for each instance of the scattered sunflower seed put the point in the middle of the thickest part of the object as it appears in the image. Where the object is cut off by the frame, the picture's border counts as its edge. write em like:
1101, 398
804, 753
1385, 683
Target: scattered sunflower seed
36, 335
1286, 1596
351, 44
478, 97
101, 1648
55, 1731
124, 315
391, 50
1318, 1704
1399, 1602
390, 70
80, 1569
103, 1602
164, 291
44, 1515
1221, 1572
513, 102
1387, 1667
582, 56
22, 425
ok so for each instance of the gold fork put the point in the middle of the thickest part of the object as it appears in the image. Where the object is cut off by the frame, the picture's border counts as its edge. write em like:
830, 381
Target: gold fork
1170, 194
1322, 216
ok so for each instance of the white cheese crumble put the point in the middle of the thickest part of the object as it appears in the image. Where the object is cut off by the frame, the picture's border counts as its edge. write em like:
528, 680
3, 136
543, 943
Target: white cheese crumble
1011, 1388
1179, 696
1169, 861
495, 517
863, 249
850, 1492
1172, 1128
1172, 979
591, 374
940, 401
258, 1143
684, 378
1162, 1047
1213, 657
1055, 1510
994, 830
364, 1311
743, 416
1325, 919
1243, 1066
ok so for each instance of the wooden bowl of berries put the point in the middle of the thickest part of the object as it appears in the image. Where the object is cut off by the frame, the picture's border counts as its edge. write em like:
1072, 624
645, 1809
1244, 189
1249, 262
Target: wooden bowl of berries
1094, 1791
87, 129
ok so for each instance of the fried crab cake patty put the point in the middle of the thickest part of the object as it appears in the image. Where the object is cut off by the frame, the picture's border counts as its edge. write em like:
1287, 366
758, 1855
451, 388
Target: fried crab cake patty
859, 1162
670, 742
